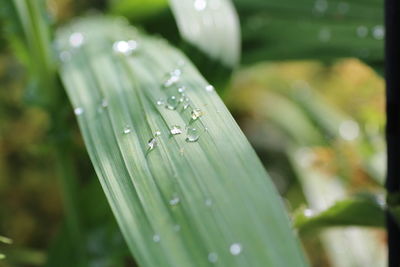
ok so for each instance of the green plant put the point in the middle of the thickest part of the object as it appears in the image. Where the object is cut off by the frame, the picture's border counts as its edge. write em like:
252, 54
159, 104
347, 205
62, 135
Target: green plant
182, 181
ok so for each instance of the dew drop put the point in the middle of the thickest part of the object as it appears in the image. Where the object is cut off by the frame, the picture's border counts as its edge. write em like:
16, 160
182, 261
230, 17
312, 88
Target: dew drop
181, 89
362, 31
208, 202
78, 111
209, 88
174, 77
157, 133
152, 143
174, 201
175, 129
185, 101
125, 47
235, 249
104, 103
192, 135
160, 102
156, 238
212, 257
172, 102
196, 113
127, 130
76, 39
200, 5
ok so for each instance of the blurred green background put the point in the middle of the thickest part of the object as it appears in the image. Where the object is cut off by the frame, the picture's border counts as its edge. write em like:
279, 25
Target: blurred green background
314, 114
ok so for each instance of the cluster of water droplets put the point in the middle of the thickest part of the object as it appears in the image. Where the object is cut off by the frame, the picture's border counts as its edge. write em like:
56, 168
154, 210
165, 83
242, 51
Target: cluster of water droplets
177, 100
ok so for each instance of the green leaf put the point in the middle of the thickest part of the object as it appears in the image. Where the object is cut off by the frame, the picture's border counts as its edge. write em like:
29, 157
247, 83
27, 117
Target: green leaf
213, 27
309, 29
180, 200
29, 32
138, 9
358, 211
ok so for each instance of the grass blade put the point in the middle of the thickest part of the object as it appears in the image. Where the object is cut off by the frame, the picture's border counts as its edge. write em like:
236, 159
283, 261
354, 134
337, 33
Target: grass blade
187, 199
213, 27
357, 211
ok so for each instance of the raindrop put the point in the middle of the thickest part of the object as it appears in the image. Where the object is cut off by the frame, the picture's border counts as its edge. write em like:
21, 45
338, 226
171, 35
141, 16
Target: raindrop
181, 89
308, 213
76, 39
172, 102
362, 31
125, 47
349, 130
324, 35
127, 130
104, 103
156, 238
160, 102
78, 111
157, 133
212, 257
196, 113
174, 201
152, 143
378, 32
235, 249
185, 101
175, 129
65, 56
209, 88
208, 202
173, 78
192, 135
200, 5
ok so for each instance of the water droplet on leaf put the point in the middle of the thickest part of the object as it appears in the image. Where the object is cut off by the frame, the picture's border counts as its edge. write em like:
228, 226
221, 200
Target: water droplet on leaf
209, 88
152, 143
174, 201
175, 129
200, 5
212, 257
192, 135
78, 111
196, 113
127, 130
172, 102
235, 249
156, 238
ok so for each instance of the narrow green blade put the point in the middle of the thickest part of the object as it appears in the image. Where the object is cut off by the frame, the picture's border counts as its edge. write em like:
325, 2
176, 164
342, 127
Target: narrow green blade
357, 211
183, 182
211, 26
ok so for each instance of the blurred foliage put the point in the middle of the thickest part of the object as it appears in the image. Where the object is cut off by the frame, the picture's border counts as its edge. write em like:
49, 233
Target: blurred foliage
316, 125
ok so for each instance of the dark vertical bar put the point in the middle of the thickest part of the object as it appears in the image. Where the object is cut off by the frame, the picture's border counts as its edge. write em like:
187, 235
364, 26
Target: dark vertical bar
392, 73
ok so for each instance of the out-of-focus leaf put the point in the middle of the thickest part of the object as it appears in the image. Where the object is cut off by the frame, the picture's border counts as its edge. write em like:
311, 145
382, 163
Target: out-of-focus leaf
311, 29
138, 9
29, 32
184, 184
359, 211
211, 26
